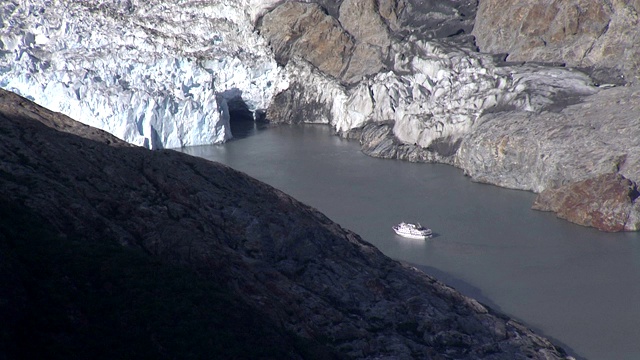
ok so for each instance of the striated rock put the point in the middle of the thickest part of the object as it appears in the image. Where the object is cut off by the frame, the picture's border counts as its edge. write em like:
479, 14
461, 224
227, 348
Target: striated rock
304, 29
377, 140
605, 202
534, 151
305, 273
602, 35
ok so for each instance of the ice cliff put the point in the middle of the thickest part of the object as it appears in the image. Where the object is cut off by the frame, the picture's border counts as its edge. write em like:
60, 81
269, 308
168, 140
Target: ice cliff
154, 73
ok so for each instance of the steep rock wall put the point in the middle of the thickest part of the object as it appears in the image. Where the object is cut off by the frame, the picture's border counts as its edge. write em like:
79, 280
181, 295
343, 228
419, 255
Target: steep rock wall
601, 35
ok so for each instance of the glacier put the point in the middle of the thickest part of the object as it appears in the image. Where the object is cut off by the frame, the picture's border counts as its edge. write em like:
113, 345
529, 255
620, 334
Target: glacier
154, 73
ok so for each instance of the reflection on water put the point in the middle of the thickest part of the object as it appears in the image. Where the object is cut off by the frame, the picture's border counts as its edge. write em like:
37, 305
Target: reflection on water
243, 127
574, 284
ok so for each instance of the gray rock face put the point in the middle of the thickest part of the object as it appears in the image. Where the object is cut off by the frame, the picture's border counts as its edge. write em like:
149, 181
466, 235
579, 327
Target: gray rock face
534, 151
285, 259
603, 35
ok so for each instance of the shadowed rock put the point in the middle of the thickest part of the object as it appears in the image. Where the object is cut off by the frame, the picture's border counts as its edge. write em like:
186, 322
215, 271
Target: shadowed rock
306, 274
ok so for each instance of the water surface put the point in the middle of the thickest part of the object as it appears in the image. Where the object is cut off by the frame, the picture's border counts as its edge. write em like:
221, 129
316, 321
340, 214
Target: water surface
577, 286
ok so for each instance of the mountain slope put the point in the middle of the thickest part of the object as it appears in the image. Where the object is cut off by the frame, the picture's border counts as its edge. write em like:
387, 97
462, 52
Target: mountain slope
74, 298
286, 261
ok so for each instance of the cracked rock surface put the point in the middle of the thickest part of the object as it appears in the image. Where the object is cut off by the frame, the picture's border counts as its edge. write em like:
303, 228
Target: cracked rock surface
600, 35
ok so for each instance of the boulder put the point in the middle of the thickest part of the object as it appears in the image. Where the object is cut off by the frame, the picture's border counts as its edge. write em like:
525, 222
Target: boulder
605, 202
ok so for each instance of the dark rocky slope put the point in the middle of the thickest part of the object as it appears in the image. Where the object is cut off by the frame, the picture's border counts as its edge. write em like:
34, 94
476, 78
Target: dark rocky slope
307, 277
75, 298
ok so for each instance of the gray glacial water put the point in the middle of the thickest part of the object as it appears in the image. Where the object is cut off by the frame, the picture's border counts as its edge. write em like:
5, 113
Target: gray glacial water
577, 286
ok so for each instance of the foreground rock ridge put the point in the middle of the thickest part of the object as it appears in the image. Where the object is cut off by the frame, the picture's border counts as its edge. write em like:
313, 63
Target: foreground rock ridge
529, 105
306, 274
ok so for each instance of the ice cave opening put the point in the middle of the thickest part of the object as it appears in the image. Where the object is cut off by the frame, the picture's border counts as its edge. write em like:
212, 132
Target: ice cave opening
242, 121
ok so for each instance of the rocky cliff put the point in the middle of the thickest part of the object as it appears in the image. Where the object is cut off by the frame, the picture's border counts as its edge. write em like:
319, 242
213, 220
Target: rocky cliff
579, 146
457, 82
600, 36
304, 274
605, 202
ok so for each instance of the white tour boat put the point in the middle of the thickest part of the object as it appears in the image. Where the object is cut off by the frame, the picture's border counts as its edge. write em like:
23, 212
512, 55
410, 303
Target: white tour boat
412, 231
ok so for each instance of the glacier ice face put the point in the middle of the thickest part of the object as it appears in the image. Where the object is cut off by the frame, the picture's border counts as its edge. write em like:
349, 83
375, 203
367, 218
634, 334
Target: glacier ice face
154, 73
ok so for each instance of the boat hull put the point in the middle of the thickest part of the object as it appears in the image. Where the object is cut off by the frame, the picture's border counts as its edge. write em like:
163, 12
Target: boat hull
412, 236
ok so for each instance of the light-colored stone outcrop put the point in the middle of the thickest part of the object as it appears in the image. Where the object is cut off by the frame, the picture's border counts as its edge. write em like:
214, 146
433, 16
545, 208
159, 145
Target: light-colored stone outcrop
533, 151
